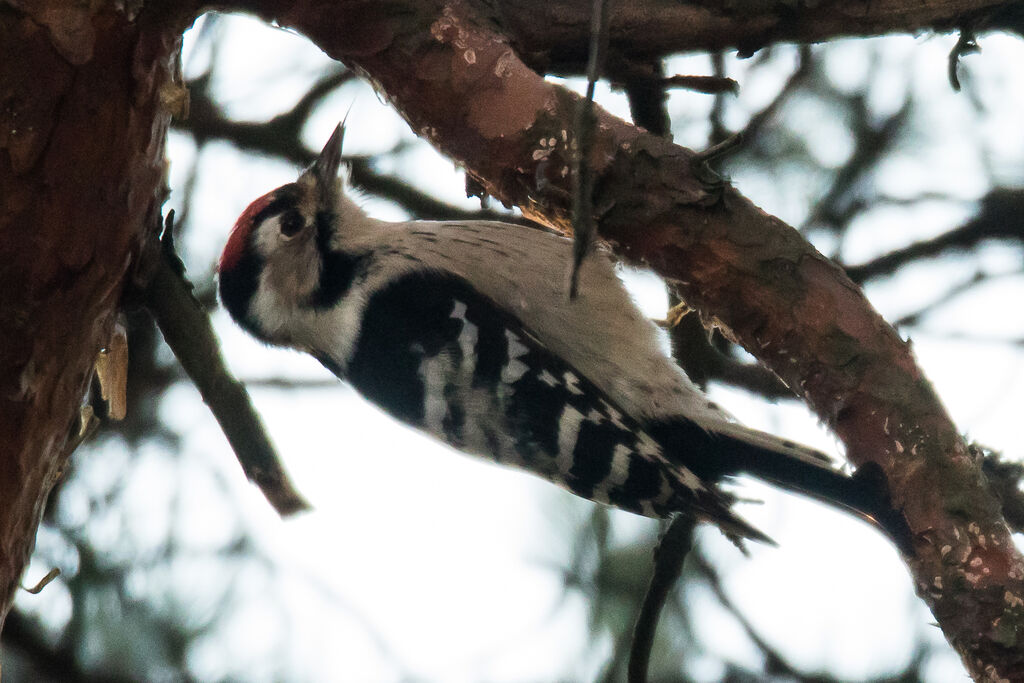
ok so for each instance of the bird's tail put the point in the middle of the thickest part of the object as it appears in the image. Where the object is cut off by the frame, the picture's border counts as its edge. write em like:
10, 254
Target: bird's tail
731, 449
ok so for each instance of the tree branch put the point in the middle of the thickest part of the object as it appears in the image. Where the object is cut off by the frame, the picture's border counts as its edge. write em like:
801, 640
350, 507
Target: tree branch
187, 330
555, 33
1000, 217
669, 556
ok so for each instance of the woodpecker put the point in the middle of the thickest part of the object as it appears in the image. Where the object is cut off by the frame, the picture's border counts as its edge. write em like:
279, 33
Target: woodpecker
463, 330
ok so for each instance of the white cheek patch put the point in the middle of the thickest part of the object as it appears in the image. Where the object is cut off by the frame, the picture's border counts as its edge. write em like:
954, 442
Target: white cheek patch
337, 329
268, 235
274, 313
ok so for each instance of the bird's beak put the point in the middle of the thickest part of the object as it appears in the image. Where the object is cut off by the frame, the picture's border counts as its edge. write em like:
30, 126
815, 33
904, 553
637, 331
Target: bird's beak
325, 168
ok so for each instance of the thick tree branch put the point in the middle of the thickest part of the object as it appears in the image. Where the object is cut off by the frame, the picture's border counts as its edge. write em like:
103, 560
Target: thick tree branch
461, 85
554, 34
85, 201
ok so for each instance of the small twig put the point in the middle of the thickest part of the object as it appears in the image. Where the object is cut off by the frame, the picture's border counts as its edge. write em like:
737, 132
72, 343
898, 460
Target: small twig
966, 44
186, 329
699, 162
716, 117
646, 94
710, 85
582, 200
668, 565
718, 150
43, 582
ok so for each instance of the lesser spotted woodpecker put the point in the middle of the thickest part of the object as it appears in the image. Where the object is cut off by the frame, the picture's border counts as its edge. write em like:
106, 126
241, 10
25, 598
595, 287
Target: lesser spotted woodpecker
464, 331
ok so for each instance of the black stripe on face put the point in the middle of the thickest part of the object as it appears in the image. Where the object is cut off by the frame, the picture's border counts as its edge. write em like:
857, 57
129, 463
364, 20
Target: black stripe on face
338, 270
238, 286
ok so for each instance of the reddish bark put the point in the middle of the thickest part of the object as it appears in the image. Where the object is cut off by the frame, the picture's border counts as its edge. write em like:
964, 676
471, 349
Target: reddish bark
82, 131
559, 31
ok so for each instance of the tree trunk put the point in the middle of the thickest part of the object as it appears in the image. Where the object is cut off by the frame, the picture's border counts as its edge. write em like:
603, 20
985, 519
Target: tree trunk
82, 129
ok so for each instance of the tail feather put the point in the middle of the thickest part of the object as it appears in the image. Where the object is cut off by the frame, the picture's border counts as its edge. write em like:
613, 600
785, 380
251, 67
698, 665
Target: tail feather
733, 450
712, 505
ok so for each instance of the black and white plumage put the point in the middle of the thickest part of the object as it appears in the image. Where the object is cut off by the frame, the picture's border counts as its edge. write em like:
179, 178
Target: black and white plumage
464, 330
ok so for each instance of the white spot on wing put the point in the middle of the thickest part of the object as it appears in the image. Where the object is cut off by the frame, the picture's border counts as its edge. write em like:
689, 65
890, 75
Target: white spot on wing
568, 433
467, 343
645, 445
432, 371
514, 368
572, 383
614, 416
459, 311
620, 466
548, 378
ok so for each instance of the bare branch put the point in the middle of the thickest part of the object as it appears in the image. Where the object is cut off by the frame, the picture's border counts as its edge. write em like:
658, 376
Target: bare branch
1000, 217
668, 565
187, 330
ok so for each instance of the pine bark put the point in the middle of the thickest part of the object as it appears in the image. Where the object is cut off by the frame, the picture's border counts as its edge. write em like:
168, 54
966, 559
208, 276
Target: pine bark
82, 129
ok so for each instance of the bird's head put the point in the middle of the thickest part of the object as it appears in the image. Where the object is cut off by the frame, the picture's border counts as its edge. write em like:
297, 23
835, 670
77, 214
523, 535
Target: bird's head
275, 255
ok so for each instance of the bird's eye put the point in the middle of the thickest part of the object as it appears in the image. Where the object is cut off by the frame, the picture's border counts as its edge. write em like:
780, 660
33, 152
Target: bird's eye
291, 223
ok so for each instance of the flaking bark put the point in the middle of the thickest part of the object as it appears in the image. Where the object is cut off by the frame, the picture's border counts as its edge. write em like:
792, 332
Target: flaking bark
82, 133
